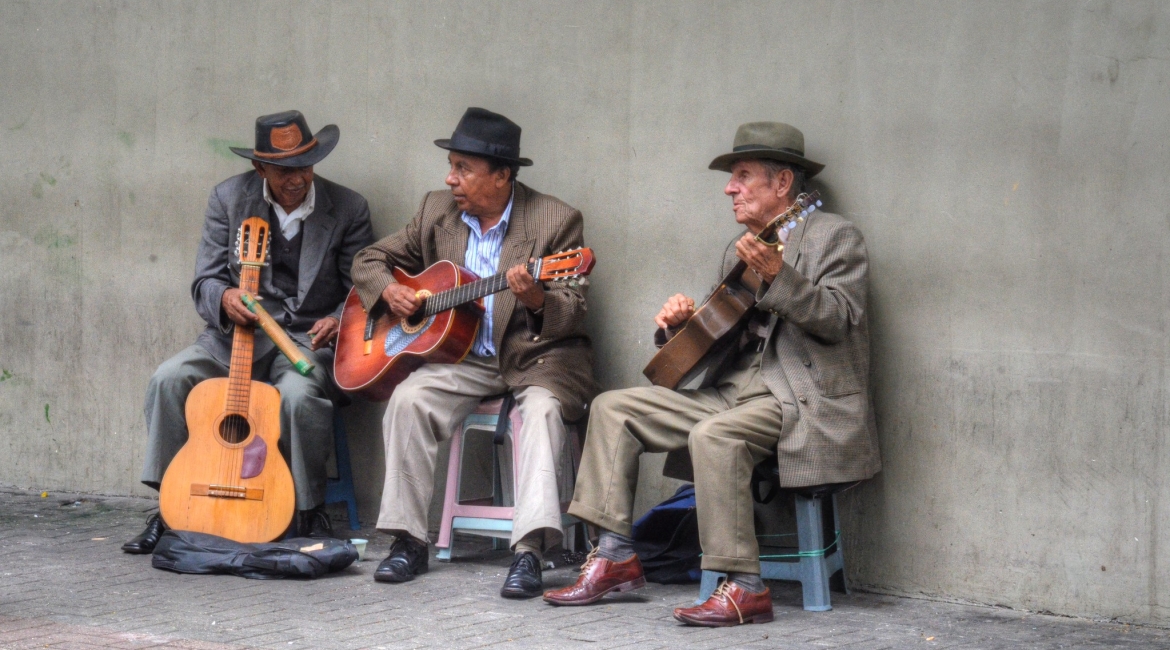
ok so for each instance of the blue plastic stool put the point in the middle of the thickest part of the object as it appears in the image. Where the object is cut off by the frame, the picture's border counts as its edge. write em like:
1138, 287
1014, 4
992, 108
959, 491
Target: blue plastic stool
340, 489
816, 560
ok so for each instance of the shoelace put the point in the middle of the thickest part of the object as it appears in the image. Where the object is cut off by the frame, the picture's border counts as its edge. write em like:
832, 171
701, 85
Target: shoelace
589, 560
721, 592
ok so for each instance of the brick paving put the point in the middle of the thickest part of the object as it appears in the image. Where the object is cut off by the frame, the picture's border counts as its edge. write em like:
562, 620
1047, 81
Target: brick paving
65, 584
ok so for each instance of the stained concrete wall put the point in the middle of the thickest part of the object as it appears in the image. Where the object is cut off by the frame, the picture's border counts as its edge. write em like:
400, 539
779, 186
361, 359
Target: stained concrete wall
1006, 161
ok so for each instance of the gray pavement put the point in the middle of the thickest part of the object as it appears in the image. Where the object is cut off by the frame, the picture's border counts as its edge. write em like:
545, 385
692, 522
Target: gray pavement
65, 584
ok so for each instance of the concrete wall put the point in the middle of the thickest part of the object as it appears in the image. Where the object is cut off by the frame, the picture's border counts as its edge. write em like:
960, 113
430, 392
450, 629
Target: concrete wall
1006, 161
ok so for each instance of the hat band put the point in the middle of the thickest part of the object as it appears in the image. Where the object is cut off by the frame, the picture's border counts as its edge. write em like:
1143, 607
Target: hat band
467, 143
759, 147
287, 154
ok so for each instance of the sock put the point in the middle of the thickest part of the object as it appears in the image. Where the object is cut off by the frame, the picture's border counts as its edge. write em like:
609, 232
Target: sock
749, 581
615, 547
532, 544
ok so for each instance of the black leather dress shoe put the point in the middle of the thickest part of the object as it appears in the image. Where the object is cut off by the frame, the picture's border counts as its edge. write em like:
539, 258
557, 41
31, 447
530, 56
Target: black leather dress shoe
146, 541
523, 579
315, 523
407, 559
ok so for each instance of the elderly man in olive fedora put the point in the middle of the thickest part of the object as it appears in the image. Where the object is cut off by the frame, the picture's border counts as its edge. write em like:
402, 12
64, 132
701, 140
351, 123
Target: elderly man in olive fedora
794, 386
531, 342
318, 228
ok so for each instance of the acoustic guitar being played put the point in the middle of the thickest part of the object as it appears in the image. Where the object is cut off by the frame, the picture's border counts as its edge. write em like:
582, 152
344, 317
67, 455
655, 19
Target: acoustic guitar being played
721, 317
230, 479
376, 350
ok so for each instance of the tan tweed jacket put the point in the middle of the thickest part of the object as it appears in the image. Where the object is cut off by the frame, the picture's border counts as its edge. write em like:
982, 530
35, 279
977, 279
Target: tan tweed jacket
551, 350
816, 360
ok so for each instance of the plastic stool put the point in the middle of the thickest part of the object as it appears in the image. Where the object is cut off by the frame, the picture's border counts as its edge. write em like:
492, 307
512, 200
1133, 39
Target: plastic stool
340, 489
816, 560
476, 517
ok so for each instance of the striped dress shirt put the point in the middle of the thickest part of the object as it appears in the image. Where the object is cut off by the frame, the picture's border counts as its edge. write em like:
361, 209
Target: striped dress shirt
483, 259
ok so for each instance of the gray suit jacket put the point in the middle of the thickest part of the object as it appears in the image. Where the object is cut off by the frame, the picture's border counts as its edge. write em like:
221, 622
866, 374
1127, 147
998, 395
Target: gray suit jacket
333, 234
551, 350
816, 358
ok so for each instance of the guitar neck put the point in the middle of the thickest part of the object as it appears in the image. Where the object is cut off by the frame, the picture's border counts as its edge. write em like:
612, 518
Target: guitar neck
466, 293
240, 370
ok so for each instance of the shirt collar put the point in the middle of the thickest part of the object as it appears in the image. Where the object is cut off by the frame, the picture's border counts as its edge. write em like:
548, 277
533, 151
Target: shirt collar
502, 224
301, 211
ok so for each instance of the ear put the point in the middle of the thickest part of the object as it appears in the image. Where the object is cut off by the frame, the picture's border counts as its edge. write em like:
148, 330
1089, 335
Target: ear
784, 183
502, 175
259, 169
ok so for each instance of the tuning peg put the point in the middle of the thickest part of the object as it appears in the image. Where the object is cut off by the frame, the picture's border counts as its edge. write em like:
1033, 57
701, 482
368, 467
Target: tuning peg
819, 204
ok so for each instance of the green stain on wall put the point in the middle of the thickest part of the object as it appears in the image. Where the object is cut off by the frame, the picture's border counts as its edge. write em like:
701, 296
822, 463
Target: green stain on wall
18, 126
222, 148
127, 138
132, 199
47, 414
51, 238
48, 179
5, 374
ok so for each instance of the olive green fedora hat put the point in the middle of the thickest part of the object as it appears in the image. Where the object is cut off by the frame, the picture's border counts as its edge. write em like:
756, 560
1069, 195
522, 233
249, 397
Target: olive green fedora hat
771, 140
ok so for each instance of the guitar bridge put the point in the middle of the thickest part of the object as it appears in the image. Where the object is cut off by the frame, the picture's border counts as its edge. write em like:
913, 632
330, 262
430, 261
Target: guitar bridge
227, 491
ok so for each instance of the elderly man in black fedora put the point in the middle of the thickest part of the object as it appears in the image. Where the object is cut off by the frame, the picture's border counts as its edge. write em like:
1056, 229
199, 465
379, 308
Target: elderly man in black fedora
531, 341
318, 228
794, 385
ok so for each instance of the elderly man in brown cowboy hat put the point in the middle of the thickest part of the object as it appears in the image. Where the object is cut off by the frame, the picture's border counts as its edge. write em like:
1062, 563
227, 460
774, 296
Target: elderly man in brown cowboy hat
793, 385
318, 228
531, 342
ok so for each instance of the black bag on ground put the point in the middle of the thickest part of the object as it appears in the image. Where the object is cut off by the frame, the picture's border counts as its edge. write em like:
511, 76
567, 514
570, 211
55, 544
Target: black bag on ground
300, 557
666, 540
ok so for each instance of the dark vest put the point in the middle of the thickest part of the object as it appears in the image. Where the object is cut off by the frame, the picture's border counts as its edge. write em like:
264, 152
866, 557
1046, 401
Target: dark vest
286, 261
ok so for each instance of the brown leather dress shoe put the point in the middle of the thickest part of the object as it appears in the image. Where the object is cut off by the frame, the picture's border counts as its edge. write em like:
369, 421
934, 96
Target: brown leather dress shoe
599, 577
730, 605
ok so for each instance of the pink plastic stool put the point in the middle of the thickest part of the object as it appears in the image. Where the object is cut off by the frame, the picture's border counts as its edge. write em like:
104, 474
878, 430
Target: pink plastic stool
486, 517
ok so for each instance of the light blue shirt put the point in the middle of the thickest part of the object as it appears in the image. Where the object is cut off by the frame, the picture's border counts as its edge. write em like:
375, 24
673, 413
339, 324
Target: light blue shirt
483, 259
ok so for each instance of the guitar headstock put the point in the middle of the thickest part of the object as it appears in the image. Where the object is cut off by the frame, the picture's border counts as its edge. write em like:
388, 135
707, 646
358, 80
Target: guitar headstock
566, 265
252, 242
802, 206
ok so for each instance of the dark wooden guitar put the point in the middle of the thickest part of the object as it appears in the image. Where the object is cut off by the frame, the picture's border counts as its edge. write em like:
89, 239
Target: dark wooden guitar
229, 479
722, 316
376, 350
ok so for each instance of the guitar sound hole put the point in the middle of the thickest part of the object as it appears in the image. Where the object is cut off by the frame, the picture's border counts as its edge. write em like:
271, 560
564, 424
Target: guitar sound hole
234, 429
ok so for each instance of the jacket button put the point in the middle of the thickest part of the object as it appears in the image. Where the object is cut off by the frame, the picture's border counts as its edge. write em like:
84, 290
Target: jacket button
540, 360
806, 363
535, 339
803, 399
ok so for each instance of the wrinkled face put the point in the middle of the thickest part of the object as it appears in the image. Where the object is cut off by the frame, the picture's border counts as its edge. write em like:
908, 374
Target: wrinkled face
755, 199
477, 189
289, 185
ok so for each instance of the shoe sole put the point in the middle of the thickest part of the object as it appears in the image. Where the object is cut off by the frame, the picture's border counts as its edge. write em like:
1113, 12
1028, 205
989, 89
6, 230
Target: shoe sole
766, 617
520, 595
395, 580
625, 586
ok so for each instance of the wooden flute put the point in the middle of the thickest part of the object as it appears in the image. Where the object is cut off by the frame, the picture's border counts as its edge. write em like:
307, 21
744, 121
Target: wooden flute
278, 336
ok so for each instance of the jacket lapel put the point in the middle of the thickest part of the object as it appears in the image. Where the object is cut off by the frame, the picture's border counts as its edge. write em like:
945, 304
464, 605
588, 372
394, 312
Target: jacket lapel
451, 243
318, 230
517, 248
792, 248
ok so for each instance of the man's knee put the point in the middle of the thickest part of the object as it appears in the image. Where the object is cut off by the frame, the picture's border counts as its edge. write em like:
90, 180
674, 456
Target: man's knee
708, 437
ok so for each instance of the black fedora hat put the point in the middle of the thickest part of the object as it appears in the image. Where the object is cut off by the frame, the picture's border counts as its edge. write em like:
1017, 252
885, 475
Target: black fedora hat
481, 132
285, 139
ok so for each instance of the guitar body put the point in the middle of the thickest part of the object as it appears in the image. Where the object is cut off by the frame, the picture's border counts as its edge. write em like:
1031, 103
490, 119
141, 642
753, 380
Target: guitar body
361, 364
209, 487
715, 324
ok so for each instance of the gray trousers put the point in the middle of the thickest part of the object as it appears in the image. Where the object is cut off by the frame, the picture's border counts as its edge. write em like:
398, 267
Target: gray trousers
425, 409
728, 430
306, 415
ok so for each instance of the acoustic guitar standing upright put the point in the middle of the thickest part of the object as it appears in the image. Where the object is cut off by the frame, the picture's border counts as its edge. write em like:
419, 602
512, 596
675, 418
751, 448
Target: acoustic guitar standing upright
230, 479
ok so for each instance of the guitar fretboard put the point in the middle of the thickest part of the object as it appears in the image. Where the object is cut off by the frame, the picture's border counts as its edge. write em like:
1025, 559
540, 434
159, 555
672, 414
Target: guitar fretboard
452, 298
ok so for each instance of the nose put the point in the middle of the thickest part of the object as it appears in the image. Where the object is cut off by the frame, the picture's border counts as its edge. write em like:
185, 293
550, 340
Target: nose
452, 179
730, 188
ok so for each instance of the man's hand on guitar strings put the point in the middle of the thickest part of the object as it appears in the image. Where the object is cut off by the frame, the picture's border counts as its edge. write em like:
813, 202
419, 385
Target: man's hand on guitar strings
528, 291
323, 332
401, 299
766, 261
235, 309
677, 310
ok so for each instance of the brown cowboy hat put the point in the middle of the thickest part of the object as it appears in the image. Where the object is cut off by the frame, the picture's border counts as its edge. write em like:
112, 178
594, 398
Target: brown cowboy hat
285, 139
771, 140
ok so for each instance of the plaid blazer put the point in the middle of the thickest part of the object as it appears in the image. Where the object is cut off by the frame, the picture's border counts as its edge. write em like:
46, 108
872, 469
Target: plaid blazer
817, 340
550, 350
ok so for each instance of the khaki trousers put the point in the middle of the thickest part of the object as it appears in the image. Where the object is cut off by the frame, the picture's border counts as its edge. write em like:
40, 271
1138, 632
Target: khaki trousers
728, 429
425, 409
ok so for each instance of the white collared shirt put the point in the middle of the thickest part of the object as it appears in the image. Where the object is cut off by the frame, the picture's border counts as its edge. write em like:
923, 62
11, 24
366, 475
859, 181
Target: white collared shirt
290, 222
483, 259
